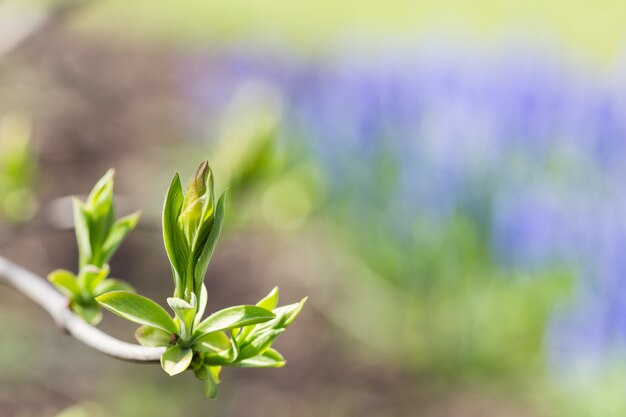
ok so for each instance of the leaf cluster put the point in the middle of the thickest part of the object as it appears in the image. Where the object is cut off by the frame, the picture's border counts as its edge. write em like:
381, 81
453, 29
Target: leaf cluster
239, 336
98, 235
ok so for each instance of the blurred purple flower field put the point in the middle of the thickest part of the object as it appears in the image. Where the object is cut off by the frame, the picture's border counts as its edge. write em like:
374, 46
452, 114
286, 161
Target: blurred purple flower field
529, 148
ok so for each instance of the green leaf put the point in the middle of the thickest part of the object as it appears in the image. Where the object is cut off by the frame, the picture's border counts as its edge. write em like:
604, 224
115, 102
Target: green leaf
292, 311
152, 337
82, 221
91, 276
225, 356
138, 309
263, 335
121, 228
90, 312
230, 355
175, 245
185, 313
102, 192
65, 281
274, 354
176, 360
112, 284
259, 344
102, 213
285, 315
204, 297
270, 359
268, 302
209, 247
211, 376
233, 317
211, 382
216, 342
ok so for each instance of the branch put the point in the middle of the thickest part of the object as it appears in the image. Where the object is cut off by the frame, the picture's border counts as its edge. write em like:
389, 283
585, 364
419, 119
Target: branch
39, 291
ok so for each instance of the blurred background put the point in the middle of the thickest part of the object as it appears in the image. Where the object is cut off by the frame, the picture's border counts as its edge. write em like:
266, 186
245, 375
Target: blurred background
444, 180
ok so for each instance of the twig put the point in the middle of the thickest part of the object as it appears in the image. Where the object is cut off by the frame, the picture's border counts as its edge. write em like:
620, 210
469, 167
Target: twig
39, 291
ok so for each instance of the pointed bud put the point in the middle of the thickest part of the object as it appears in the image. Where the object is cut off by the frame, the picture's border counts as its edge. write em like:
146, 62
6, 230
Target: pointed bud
198, 203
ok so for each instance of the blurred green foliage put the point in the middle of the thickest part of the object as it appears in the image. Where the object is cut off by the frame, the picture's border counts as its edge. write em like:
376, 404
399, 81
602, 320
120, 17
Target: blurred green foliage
598, 395
597, 30
17, 169
447, 309
271, 181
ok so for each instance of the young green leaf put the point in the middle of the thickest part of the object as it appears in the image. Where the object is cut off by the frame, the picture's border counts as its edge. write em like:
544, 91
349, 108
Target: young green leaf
176, 360
223, 357
209, 247
82, 220
259, 344
152, 337
102, 213
112, 284
121, 228
65, 281
233, 317
138, 309
211, 376
185, 313
268, 302
285, 315
102, 192
204, 297
216, 342
175, 246
90, 312
212, 382
292, 312
269, 359
274, 354
228, 356
91, 276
